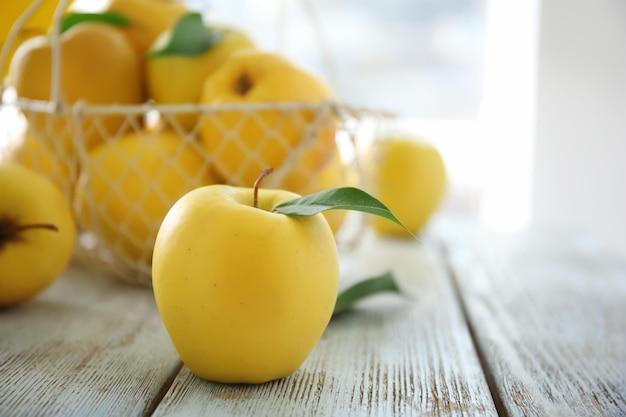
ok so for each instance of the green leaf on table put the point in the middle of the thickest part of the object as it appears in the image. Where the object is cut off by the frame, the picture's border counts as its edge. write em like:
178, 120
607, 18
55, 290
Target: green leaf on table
190, 37
343, 198
371, 286
110, 18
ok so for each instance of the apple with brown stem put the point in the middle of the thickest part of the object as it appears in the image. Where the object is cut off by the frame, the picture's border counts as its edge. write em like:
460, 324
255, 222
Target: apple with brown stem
37, 233
245, 293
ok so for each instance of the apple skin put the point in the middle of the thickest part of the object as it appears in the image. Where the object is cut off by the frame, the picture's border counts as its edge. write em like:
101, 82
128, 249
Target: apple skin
407, 173
245, 294
35, 258
243, 143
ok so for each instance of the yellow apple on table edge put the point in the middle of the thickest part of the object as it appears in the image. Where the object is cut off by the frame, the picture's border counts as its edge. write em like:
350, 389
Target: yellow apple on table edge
407, 173
243, 141
37, 233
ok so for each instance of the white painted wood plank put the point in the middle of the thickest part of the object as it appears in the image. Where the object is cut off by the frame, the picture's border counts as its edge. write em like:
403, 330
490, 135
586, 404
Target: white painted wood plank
391, 357
549, 314
87, 346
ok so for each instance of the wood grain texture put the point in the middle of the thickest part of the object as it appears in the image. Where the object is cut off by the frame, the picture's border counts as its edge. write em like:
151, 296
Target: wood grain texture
549, 315
86, 346
392, 357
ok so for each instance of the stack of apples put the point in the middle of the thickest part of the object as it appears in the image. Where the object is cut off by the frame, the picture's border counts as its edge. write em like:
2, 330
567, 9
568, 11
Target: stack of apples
225, 110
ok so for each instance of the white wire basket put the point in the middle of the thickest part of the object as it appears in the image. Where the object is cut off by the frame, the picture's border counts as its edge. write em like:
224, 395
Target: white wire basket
122, 166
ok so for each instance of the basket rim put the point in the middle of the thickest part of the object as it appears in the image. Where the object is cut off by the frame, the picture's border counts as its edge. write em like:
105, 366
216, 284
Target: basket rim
82, 107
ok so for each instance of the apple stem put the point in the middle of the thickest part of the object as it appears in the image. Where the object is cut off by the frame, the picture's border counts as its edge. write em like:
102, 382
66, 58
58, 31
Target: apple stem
243, 85
45, 226
257, 183
10, 230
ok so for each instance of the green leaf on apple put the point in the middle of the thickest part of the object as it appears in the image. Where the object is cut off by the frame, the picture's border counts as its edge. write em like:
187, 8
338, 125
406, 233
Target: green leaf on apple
342, 198
190, 37
110, 18
351, 295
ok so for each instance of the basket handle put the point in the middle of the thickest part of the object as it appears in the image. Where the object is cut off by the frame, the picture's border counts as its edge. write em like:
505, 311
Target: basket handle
55, 88
55, 39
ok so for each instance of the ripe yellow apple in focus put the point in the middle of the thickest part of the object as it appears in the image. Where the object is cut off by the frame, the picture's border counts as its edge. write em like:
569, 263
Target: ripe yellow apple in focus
245, 293
409, 175
127, 186
37, 233
244, 142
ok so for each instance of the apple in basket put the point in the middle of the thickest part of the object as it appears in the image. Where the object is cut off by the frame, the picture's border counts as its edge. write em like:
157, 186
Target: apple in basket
129, 183
182, 58
298, 141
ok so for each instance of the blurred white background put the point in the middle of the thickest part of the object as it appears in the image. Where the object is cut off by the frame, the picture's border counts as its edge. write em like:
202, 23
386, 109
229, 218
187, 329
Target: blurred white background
580, 157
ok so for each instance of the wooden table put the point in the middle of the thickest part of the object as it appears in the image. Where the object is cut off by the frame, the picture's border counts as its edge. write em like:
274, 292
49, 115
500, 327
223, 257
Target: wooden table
532, 324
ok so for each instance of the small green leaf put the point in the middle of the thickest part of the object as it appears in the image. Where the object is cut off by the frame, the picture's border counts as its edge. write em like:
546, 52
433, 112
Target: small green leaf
110, 18
363, 289
190, 37
343, 198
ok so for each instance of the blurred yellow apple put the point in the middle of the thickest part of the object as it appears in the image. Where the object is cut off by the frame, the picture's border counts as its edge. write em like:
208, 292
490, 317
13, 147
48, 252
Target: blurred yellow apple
148, 18
409, 175
128, 185
182, 58
37, 233
244, 141
99, 66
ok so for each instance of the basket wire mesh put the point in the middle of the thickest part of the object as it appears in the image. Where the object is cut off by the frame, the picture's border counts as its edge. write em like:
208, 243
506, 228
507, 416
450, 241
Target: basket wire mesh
121, 184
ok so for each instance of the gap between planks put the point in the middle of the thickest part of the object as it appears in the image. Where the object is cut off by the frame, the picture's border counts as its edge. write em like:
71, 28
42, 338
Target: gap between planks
167, 385
487, 371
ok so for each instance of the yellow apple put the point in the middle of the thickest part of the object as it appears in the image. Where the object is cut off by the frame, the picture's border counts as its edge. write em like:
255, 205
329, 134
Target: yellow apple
148, 18
128, 185
37, 233
243, 142
245, 293
409, 175
182, 58
99, 66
